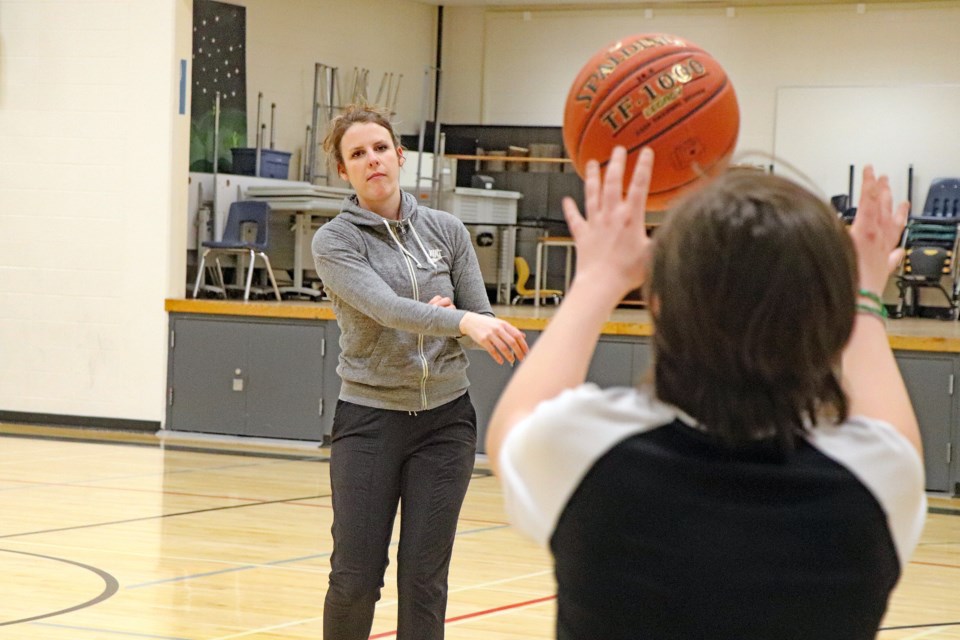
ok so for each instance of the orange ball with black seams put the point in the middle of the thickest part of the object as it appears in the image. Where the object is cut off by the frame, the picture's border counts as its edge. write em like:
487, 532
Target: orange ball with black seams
659, 91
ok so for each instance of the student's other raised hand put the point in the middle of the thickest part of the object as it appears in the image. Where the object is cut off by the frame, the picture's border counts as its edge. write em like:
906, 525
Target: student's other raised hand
876, 231
612, 242
871, 378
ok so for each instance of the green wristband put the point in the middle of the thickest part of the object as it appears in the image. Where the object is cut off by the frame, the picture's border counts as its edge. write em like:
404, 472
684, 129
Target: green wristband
870, 295
880, 312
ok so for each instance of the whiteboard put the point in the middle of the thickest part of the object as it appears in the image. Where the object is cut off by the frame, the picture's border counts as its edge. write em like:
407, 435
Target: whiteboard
821, 131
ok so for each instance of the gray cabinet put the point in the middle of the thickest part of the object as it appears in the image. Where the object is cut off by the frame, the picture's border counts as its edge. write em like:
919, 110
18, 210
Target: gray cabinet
618, 361
247, 377
331, 381
277, 378
487, 381
930, 380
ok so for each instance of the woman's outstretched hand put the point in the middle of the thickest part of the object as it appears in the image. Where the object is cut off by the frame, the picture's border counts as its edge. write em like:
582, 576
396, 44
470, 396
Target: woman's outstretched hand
876, 231
611, 241
502, 340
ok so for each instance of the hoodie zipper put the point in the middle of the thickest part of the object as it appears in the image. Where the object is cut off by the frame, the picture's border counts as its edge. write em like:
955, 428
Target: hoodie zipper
416, 296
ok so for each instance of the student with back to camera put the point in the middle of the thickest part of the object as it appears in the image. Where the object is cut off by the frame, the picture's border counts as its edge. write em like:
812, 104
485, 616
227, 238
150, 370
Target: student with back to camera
406, 287
768, 483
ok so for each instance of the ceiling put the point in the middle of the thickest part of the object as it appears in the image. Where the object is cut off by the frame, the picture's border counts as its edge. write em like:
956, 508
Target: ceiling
595, 4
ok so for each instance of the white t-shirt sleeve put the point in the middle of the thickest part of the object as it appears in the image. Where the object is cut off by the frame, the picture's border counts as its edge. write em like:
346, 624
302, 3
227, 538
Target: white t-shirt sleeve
889, 466
544, 458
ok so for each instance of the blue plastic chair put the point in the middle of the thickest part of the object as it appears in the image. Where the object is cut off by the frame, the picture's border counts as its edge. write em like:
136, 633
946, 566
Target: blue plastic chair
241, 214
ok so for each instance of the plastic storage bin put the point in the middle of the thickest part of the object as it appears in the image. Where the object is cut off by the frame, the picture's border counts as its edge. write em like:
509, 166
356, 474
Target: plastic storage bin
273, 164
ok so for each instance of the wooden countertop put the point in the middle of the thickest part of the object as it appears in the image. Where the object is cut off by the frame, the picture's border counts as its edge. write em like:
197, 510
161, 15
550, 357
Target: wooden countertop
907, 334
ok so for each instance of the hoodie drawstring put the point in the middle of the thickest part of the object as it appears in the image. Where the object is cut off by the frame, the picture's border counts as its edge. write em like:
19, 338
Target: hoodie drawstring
416, 237
402, 248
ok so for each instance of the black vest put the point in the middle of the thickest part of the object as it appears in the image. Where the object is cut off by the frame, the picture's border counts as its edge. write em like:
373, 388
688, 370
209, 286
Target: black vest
671, 536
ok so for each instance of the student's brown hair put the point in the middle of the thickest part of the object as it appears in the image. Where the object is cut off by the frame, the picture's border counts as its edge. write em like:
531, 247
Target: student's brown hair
352, 114
754, 290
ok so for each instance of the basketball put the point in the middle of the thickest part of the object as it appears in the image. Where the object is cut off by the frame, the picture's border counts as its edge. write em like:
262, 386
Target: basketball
659, 91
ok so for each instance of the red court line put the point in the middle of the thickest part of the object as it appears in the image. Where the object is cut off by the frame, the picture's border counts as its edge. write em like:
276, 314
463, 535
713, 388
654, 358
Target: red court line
477, 614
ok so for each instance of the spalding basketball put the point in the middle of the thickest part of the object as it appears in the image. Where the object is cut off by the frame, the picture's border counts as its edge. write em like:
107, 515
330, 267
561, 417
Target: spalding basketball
654, 90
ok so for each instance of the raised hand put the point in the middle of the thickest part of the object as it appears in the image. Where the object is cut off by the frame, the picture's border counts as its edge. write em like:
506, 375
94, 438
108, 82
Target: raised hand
612, 242
876, 231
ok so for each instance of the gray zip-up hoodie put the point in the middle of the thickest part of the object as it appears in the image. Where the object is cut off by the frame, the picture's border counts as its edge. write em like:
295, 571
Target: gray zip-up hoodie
396, 351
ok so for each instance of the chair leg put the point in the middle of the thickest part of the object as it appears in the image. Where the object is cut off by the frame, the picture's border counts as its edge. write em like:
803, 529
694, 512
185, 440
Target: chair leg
221, 282
246, 290
945, 294
200, 274
273, 280
909, 302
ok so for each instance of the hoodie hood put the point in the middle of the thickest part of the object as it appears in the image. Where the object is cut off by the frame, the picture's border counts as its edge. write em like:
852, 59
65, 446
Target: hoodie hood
352, 212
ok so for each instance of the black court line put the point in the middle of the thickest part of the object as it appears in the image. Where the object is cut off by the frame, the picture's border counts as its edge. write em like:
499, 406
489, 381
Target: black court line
944, 511
921, 626
477, 473
110, 587
174, 447
166, 515
100, 630
274, 563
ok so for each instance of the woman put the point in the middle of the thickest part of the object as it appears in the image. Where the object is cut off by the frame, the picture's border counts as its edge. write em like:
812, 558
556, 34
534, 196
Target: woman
407, 291
753, 491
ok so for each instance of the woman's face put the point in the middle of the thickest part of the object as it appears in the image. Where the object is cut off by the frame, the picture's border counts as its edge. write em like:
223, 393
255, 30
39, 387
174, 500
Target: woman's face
371, 163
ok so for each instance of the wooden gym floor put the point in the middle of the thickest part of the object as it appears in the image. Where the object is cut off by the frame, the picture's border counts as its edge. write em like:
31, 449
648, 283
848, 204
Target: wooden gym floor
111, 535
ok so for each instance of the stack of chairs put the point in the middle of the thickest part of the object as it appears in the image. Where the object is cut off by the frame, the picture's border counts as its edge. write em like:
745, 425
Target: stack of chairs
930, 242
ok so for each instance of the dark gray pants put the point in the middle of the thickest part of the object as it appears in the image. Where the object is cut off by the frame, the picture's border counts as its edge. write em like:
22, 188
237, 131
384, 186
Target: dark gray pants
377, 459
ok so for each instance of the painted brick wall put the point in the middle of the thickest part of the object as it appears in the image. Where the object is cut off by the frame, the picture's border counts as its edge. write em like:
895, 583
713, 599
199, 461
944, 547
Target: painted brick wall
92, 162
